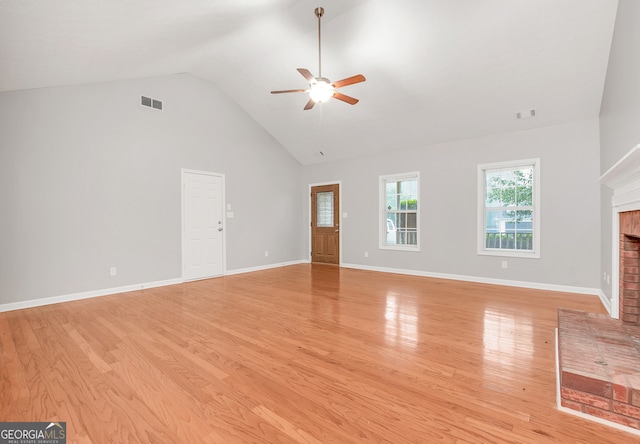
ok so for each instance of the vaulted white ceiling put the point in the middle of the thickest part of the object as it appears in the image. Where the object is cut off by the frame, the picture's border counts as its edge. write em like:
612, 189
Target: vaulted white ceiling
437, 70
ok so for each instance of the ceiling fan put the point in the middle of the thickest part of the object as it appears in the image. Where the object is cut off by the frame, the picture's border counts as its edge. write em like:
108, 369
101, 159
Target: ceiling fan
320, 88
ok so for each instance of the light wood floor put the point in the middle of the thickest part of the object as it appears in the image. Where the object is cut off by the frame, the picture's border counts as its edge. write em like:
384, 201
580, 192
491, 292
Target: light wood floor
312, 354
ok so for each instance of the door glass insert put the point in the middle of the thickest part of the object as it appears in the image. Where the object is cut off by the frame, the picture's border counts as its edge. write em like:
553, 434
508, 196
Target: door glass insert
324, 209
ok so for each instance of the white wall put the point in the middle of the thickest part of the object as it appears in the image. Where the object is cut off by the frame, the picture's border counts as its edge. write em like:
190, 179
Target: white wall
620, 111
570, 249
90, 179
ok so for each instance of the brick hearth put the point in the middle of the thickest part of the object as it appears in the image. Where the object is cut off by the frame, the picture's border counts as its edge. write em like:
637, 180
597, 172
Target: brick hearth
599, 365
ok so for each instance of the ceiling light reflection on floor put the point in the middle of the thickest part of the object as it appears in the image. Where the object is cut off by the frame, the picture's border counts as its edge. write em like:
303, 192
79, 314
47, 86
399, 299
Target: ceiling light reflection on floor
401, 321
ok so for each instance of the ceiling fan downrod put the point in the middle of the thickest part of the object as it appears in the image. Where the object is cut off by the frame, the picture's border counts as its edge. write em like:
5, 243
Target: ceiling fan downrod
319, 11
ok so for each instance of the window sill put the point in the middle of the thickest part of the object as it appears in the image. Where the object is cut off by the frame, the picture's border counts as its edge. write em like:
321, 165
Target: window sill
510, 253
400, 247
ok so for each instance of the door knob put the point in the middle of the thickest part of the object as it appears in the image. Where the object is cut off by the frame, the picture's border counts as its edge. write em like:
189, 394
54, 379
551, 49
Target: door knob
219, 229
337, 231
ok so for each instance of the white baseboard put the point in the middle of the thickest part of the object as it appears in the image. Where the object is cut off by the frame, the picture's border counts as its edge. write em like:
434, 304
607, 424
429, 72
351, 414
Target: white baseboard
85, 295
481, 280
608, 305
124, 289
96, 293
560, 408
264, 267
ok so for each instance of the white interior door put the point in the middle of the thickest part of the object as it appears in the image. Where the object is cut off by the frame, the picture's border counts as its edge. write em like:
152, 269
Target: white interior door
203, 227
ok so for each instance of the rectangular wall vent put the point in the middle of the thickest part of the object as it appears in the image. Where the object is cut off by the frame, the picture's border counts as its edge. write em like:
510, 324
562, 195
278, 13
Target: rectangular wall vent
151, 103
526, 114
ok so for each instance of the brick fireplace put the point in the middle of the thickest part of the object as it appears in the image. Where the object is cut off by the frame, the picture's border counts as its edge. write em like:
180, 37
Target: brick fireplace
599, 355
629, 274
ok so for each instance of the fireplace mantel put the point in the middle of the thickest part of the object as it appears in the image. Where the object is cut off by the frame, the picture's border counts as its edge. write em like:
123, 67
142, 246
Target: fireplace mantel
624, 179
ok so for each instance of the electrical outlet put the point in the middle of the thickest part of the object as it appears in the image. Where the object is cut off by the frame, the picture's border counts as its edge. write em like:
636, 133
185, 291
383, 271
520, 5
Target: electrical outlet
366, 254
504, 265
266, 254
113, 271
608, 279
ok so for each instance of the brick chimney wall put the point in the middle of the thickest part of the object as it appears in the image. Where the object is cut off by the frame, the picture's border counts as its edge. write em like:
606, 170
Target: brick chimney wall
630, 267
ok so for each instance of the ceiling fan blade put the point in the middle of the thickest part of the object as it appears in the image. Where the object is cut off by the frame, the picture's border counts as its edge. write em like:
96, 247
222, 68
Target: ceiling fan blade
345, 98
309, 104
349, 81
289, 91
307, 75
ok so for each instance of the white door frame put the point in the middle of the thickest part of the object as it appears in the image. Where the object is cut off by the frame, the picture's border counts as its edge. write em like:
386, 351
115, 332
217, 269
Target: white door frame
183, 173
341, 227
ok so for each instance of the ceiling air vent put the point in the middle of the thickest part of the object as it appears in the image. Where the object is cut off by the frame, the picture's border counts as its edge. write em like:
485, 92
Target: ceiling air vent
526, 114
151, 103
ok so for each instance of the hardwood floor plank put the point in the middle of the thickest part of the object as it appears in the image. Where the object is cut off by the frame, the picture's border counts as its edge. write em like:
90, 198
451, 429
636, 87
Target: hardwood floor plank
304, 354
94, 357
282, 424
14, 386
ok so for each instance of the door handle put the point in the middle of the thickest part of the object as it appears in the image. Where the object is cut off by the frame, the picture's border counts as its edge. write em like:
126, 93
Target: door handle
219, 229
337, 230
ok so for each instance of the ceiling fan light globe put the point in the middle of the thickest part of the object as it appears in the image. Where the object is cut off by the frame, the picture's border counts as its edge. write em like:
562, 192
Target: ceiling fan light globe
321, 91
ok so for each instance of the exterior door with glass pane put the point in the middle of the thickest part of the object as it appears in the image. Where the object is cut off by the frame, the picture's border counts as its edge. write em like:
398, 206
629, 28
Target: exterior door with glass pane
325, 229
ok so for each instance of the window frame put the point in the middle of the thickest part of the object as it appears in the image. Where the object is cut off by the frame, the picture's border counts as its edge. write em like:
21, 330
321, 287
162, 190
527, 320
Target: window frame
481, 217
382, 218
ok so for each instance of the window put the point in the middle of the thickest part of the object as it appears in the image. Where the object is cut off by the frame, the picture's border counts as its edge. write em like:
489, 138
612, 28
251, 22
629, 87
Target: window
400, 218
324, 209
508, 208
